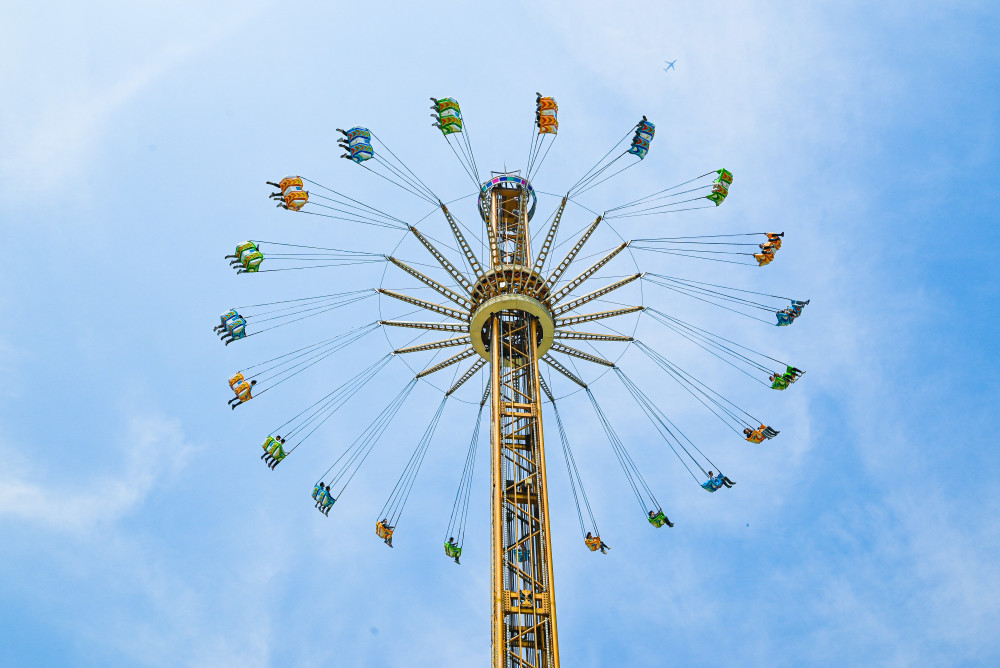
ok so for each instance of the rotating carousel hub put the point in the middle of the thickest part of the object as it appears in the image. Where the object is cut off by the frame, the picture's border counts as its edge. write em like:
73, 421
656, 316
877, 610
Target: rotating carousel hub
518, 304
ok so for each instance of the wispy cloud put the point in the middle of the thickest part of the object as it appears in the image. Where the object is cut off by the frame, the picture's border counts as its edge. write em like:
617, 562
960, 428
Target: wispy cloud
151, 449
59, 140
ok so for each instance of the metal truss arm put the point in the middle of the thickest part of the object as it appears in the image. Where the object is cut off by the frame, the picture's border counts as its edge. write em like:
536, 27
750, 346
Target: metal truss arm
580, 301
443, 261
430, 306
543, 252
579, 354
472, 371
577, 319
465, 354
563, 370
546, 390
470, 257
435, 345
438, 326
431, 283
587, 336
486, 394
568, 260
576, 282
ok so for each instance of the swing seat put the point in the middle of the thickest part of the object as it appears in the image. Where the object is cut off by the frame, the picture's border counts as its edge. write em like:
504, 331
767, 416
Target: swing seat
317, 491
268, 442
227, 316
450, 125
593, 544
246, 245
547, 103
712, 484
296, 199
658, 520
236, 380
243, 392
382, 531
251, 262
452, 551
290, 183
361, 151
238, 329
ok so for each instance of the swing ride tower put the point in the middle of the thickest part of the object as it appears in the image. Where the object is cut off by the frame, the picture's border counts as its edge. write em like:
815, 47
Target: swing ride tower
510, 328
507, 310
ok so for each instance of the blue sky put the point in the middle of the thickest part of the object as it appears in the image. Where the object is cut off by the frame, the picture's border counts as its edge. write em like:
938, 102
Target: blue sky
139, 526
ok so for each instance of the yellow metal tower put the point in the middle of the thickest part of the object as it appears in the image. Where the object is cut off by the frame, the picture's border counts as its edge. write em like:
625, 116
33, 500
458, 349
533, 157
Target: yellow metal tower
511, 316
515, 324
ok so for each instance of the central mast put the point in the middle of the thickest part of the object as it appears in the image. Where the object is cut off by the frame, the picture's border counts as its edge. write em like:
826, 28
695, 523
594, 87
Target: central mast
511, 328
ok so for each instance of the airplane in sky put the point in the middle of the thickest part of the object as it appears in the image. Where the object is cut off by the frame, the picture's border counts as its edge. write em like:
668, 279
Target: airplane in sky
670, 64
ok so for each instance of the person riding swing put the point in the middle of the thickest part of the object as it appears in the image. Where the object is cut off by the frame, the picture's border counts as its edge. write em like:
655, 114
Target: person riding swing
595, 543
658, 518
452, 549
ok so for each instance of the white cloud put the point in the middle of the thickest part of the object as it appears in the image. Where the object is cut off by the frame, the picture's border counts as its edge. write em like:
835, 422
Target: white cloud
152, 448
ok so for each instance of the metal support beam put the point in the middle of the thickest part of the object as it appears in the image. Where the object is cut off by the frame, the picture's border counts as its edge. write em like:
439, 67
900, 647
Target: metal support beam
436, 326
524, 611
576, 282
443, 261
579, 354
444, 343
587, 317
596, 294
470, 257
430, 306
454, 359
470, 372
446, 292
568, 260
587, 336
543, 252
486, 393
545, 389
563, 370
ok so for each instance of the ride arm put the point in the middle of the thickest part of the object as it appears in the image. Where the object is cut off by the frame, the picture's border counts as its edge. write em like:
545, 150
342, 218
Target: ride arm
431, 283
468, 352
579, 354
546, 390
430, 306
438, 326
568, 260
563, 370
470, 372
443, 261
588, 336
486, 393
543, 252
580, 301
576, 282
435, 345
470, 256
578, 319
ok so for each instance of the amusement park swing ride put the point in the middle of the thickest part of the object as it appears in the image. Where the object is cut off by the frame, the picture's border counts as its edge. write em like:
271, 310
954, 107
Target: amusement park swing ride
508, 310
